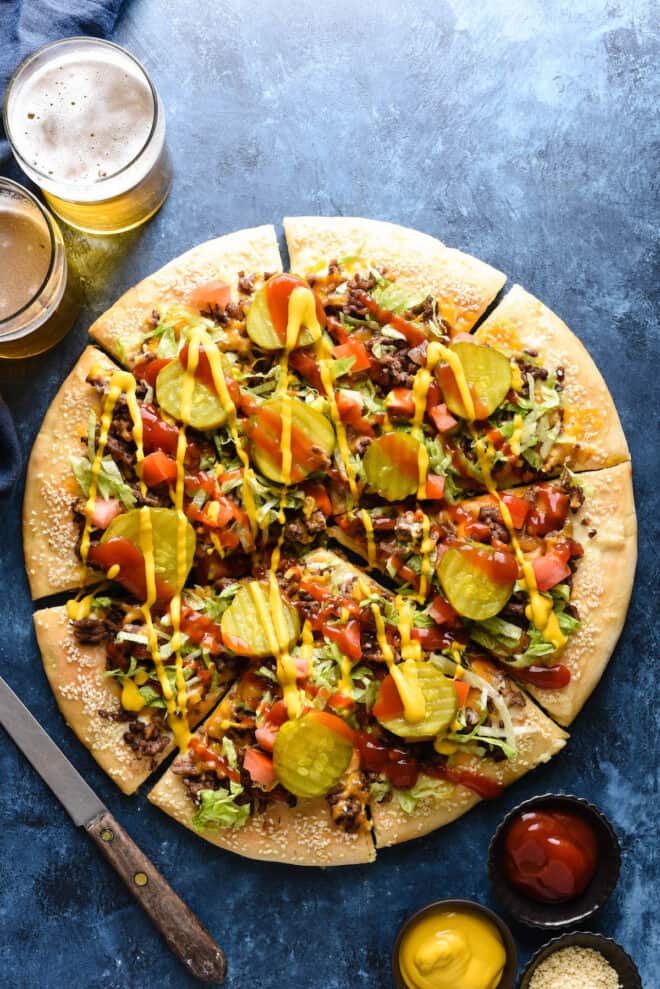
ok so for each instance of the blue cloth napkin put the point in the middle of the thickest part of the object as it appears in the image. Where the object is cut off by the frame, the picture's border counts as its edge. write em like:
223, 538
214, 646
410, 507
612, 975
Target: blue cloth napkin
24, 26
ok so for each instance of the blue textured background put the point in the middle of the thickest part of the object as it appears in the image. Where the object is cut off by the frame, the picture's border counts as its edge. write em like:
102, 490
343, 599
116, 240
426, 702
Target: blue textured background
525, 133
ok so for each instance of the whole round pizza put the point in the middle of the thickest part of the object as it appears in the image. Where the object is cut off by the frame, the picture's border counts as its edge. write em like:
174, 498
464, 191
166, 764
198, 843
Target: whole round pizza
355, 540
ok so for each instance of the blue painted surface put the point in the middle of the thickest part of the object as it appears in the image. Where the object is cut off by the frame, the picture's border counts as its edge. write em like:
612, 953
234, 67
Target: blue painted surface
523, 132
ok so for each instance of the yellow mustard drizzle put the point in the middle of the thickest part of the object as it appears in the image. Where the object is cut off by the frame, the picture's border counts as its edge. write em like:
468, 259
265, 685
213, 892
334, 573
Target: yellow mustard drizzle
177, 722
539, 610
120, 381
426, 549
79, 608
403, 674
286, 667
369, 533
327, 379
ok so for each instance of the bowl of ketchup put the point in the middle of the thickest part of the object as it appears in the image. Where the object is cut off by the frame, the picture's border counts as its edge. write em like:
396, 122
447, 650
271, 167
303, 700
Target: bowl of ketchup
554, 860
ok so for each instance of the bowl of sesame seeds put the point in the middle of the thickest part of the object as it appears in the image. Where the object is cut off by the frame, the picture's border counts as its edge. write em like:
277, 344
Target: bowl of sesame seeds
581, 960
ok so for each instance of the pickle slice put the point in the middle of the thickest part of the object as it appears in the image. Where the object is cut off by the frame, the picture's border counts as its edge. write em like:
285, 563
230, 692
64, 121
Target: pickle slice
391, 465
250, 628
310, 758
488, 375
260, 326
164, 530
470, 589
441, 705
312, 439
206, 411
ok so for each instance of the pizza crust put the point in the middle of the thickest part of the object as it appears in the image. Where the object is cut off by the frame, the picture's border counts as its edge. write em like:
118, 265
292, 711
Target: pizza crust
75, 673
464, 286
521, 322
49, 532
602, 587
121, 328
538, 741
301, 835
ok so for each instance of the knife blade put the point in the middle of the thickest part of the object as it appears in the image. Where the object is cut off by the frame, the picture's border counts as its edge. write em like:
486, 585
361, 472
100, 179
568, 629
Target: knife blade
182, 930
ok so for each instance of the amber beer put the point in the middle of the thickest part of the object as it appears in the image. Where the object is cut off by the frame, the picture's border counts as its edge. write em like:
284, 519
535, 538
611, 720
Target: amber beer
86, 124
37, 304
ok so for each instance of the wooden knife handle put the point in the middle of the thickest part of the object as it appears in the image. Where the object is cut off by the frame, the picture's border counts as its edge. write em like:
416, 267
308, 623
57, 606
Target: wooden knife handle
184, 933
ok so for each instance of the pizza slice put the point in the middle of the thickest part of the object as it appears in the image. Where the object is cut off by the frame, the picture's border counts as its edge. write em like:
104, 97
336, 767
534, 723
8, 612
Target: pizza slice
591, 435
105, 681
461, 562
342, 708
462, 286
210, 276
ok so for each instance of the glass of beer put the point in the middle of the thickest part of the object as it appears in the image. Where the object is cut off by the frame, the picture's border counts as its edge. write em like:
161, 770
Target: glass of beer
86, 125
37, 303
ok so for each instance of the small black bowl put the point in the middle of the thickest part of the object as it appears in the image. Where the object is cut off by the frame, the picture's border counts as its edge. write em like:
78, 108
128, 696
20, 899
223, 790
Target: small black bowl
508, 979
619, 959
555, 915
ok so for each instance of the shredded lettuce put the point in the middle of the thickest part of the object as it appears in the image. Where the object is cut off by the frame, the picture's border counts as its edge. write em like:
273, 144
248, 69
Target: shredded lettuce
109, 484
379, 789
342, 366
229, 752
120, 675
425, 788
167, 345
219, 809
397, 298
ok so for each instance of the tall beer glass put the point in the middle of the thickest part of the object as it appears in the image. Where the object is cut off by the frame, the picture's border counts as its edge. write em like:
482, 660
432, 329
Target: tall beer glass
37, 303
85, 123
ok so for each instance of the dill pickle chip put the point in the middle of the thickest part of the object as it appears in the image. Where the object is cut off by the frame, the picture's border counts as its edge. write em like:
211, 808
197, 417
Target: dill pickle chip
488, 374
164, 534
312, 439
309, 758
477, 579
252, 626
206, 411
261, 329
441, 705
391, 465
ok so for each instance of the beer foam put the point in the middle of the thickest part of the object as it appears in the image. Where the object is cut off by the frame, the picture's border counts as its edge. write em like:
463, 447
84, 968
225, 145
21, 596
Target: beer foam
82, 117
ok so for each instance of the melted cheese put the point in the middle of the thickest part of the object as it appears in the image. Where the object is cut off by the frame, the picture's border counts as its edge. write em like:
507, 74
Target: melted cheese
516, 435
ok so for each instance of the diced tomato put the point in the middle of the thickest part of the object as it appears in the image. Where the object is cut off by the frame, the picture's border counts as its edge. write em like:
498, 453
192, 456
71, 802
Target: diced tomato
400, 403
462, 690
214, 515
260, 768
211, 294
347, 638
149, 370
435, 487
307, 367
518, 509
105, 510
545, 677
266, 735
441, 418
320, 496
478, 531
278, 713
340, 701
158, 468
302, 667
350, 407
550, 569
433, 396
335, 723
388, 703
356, 349
442, 612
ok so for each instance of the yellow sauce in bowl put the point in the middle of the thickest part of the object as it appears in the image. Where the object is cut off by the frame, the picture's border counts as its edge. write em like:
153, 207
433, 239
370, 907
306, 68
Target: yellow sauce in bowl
449, 949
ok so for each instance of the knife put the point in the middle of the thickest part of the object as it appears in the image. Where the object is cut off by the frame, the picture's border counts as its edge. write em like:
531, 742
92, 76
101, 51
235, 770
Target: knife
184, 933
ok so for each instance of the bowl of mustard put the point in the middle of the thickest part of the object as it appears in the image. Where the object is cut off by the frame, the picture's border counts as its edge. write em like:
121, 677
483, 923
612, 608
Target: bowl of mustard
454, 944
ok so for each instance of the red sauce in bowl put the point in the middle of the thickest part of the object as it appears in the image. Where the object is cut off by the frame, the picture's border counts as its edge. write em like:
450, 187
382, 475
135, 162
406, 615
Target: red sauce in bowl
551, 855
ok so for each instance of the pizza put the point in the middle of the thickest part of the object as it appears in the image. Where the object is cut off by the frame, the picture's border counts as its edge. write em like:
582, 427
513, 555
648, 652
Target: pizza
355, 540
